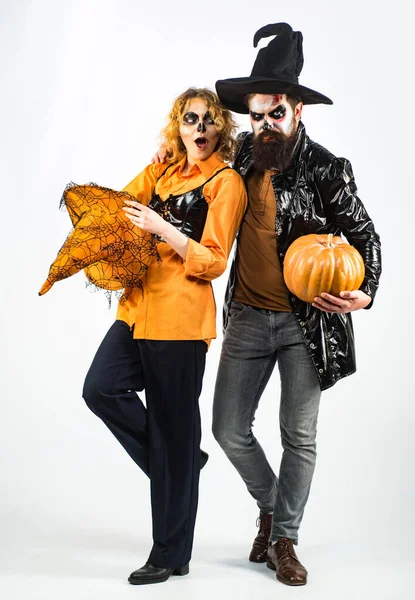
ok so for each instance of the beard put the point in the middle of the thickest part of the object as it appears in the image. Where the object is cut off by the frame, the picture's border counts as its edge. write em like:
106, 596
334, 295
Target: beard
275, 153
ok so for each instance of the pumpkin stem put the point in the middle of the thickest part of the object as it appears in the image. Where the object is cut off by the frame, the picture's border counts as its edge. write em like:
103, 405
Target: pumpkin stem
329, 243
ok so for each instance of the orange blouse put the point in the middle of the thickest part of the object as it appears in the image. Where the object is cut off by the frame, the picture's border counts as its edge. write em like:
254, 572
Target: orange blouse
177, 301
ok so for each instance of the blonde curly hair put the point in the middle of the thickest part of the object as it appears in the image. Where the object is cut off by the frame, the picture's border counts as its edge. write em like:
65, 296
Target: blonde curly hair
222, 117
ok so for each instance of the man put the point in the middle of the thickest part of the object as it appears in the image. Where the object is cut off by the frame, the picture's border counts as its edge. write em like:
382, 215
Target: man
295, 187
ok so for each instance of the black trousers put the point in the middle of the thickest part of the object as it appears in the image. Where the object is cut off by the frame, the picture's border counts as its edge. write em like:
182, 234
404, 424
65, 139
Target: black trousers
164, 438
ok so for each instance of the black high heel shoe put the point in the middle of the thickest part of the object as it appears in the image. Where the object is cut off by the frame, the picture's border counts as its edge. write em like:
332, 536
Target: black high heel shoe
150, 574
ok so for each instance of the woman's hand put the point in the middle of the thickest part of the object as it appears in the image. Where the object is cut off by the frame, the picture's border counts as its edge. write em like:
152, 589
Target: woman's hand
347, 302
150, 221
145, 218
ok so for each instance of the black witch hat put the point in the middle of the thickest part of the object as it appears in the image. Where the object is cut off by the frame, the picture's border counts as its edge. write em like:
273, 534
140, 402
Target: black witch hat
275, 71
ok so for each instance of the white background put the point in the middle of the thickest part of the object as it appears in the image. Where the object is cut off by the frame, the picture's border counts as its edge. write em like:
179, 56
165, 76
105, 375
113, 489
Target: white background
85, 89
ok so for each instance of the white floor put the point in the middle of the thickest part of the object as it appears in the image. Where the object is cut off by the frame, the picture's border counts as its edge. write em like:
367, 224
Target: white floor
94, 565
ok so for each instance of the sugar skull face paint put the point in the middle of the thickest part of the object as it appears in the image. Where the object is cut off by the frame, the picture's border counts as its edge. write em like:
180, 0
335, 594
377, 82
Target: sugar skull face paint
273, 112
198, 131
191, 118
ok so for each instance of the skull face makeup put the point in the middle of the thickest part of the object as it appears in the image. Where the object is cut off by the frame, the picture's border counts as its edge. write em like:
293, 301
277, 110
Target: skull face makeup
275, 124
273, 112
198, 131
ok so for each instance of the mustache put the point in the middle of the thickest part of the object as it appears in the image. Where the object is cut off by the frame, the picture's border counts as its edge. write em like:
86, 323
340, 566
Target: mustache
271, 134
271, 137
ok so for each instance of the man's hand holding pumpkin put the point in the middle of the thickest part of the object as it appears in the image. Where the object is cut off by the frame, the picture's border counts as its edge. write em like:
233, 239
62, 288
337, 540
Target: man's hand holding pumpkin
345, 303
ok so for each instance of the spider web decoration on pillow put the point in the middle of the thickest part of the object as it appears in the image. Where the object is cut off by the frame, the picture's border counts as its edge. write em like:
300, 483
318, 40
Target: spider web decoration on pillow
114, 253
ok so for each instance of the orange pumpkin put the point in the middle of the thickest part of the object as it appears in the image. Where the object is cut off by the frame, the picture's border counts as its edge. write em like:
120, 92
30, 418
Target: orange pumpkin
322, 263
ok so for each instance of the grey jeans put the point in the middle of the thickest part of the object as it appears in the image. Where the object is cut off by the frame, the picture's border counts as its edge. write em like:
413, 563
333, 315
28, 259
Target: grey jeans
254, 341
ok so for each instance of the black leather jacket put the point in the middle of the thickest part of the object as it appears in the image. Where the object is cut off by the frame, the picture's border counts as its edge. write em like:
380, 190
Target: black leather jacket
317, 194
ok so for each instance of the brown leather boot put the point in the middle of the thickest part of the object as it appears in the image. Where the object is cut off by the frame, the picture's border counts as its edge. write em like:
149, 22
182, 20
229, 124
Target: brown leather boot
282, 558
260, 545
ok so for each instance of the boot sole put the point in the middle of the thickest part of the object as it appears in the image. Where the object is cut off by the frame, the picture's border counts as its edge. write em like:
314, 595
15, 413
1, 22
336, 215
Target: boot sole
255, 560
180, 572
271, 566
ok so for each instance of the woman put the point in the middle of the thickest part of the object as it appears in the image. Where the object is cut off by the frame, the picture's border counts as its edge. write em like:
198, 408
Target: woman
194, 206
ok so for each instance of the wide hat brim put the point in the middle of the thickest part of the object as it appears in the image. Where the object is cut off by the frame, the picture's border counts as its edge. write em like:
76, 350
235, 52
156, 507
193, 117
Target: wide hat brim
232, 92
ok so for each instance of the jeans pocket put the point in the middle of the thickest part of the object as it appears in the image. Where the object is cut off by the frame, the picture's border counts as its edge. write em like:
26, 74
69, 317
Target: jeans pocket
236, 309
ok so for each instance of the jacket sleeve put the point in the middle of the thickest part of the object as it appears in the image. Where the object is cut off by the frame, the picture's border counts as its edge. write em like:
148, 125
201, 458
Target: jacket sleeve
226, 195
346, 211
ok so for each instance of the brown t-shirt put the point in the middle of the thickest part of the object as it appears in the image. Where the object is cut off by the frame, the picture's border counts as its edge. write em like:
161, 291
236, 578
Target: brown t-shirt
259, 280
